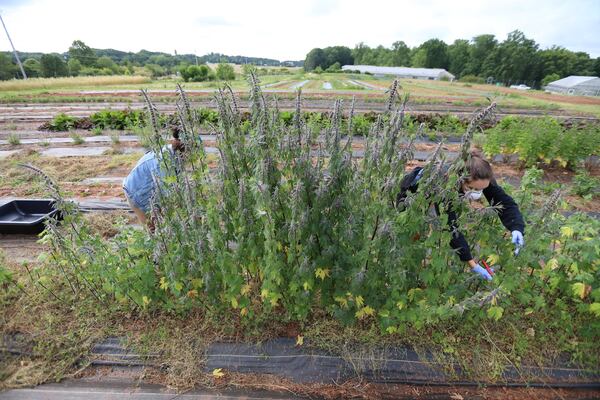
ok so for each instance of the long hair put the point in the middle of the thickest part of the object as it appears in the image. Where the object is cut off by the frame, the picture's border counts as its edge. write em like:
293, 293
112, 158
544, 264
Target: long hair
478, 168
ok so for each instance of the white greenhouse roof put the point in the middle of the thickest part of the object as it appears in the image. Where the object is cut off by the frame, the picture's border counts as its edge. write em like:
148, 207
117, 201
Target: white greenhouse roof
404, 71
572, 81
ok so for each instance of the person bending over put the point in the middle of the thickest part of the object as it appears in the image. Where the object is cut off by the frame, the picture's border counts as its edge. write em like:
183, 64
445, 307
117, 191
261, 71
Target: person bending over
479, 182
140, 185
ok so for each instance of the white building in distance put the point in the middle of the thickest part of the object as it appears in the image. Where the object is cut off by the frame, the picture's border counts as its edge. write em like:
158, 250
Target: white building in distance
433, 74
576, 85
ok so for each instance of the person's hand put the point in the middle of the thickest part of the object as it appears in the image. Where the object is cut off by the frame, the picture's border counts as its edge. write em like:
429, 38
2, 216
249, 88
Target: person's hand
518, 241
482, 272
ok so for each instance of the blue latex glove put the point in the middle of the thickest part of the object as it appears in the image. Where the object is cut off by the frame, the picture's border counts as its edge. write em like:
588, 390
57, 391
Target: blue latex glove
482, 272
518, 241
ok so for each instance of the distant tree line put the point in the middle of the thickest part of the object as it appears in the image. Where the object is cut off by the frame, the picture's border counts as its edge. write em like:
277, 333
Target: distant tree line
82, 60
517, 59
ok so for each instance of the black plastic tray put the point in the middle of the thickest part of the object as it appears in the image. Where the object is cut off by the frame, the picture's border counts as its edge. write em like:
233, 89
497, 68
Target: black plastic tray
26, 216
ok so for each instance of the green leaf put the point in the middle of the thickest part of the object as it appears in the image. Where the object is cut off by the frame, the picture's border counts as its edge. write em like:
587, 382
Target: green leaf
595, 309
495, 312
579, 289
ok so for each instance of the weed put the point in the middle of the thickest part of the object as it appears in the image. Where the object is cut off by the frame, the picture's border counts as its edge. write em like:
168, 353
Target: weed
115, 138
13, 139
77, 138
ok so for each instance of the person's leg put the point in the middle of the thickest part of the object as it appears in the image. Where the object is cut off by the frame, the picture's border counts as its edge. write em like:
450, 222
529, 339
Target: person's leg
141, 215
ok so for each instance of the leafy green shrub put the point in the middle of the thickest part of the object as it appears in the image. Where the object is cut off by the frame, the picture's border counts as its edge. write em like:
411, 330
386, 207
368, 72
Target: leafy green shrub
585, 185
543, 139
286, 117
117, 119
225, 72
360, 125
197, 73
550, 78
60, 123
206, 115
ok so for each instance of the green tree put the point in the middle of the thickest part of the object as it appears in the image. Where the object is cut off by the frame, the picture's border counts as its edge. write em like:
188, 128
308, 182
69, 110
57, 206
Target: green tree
335, 67
82, 52
53, 66
381, 56
360, 53
106, 62
315, 58
400, 54
32, 68
550, 78
596, 67
516, 59
8, 70
436, 54
155, 70
582, 64
481, 47
74, 66
338, 54
196, 73
418, 58
458, 54
225, 72
556, 60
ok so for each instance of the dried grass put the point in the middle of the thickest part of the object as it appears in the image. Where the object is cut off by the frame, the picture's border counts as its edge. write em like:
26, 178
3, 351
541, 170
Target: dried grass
55, 83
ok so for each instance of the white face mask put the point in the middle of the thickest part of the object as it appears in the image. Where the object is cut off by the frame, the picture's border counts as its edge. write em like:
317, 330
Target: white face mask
474, 194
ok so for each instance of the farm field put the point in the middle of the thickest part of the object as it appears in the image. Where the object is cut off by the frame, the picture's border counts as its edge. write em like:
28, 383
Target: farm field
126, 89
97, 277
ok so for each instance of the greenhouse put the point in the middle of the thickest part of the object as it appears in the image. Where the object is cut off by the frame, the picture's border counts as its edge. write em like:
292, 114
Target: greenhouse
576, 85
402, 72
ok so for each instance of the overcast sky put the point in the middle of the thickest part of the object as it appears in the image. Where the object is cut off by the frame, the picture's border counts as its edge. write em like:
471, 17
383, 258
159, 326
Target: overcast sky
287, 30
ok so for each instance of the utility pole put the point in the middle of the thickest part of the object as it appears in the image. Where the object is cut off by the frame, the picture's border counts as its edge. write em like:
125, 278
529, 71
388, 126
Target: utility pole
14, 50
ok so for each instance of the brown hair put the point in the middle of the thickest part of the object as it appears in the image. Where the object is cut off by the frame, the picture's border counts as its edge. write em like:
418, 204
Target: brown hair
478, 168
177, 145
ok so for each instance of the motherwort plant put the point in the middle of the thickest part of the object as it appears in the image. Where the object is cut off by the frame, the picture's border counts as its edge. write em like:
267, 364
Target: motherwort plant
295, 219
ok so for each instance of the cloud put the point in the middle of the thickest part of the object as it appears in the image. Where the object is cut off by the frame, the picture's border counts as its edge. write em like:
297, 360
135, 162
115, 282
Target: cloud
320, 8
213, 20
282, 30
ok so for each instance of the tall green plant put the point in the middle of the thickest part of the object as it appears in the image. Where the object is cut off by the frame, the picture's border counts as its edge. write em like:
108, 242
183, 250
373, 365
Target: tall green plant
293, 221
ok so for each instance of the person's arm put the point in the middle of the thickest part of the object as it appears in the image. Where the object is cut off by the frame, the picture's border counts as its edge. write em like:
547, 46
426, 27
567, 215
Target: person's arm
508, 210
458, 241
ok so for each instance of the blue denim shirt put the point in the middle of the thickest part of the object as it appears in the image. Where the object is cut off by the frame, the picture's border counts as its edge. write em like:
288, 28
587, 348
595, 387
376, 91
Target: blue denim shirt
139, 185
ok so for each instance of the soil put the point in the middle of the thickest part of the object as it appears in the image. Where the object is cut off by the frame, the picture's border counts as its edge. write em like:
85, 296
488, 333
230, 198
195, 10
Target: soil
21, 248
357, 389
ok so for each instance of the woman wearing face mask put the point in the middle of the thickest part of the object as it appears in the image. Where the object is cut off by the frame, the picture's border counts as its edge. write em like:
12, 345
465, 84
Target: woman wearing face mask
480, 181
